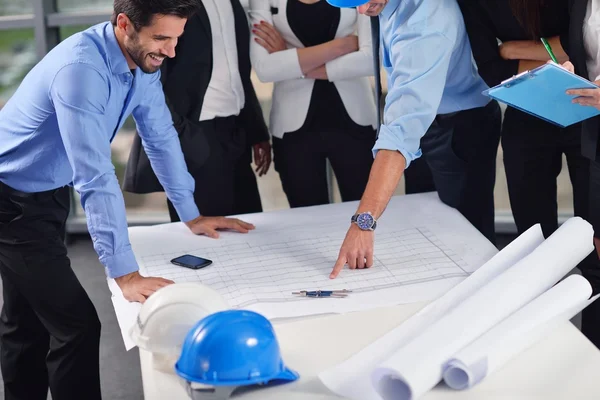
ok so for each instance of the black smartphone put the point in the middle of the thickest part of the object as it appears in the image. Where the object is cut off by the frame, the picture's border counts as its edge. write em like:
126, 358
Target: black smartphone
192, 262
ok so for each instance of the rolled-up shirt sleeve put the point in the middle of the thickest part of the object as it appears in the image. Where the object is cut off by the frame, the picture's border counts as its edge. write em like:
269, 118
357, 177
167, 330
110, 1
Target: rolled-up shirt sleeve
161, 142
419, 62
80, 95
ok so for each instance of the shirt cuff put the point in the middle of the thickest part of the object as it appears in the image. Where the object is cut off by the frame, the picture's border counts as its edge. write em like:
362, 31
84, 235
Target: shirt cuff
388, 140
120, 264
187, 210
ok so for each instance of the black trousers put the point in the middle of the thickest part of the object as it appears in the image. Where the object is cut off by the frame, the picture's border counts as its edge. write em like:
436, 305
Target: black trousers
459, 162
533, 151
49, 328
225, 183
300, 159
590, 268
418, 178
595, 197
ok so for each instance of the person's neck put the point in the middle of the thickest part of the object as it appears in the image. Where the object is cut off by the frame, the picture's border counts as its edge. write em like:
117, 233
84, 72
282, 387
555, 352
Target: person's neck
120, 35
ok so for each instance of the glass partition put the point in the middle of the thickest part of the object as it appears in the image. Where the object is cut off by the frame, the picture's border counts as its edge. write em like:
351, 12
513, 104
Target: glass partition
15, 7
80, 5
17, 57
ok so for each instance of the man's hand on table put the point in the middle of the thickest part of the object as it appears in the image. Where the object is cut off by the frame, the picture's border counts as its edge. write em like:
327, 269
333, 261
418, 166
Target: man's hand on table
136, 287
209, 225
356, 251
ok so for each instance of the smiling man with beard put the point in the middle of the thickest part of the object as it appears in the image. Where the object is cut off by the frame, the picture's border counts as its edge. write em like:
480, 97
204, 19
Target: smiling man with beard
55, 132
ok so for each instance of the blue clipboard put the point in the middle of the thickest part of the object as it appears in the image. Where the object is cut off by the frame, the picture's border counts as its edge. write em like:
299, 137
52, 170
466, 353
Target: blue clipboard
542, 92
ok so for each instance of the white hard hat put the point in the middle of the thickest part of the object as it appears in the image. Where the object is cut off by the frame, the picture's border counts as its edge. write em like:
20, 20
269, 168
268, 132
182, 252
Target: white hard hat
167, 316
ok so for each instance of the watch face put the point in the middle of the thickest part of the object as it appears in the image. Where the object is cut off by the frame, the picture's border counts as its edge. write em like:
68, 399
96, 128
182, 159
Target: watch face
365, 221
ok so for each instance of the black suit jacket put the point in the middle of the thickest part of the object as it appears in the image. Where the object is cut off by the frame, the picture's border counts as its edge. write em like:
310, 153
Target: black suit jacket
185, 79
590, 143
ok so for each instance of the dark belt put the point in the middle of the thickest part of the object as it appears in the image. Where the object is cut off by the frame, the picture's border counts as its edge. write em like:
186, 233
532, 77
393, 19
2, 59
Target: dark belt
7, 190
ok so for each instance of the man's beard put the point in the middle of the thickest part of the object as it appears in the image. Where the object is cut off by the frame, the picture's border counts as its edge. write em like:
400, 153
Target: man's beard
138, 56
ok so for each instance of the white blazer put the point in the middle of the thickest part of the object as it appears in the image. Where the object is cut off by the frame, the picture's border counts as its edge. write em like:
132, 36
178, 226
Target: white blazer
291, 93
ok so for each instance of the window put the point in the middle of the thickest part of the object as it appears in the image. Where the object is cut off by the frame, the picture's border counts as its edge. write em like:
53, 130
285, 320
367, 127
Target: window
17, 57
16, 7
79, 5
66, 31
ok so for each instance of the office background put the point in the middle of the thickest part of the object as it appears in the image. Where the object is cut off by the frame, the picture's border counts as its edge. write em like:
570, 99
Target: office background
30, 28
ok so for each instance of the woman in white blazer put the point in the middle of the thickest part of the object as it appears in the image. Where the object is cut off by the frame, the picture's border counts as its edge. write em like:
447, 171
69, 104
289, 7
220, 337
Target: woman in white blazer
319, 58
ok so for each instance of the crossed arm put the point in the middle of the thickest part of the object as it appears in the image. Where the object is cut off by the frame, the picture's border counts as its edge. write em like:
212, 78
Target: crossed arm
532, 54
274, 60
312, 59
497, 63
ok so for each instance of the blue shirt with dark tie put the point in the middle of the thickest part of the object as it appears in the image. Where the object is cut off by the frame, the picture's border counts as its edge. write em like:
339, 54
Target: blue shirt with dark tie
57, 128
430, 69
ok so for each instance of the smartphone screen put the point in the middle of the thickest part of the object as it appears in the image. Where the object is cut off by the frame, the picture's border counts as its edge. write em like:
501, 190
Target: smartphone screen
192, 262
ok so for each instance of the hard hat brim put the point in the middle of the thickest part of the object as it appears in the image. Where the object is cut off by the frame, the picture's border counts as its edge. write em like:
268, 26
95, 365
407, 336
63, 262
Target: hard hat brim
347, 3
287, 375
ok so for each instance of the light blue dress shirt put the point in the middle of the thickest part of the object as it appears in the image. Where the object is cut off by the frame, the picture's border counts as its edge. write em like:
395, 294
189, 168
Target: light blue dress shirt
430, 70
57, 128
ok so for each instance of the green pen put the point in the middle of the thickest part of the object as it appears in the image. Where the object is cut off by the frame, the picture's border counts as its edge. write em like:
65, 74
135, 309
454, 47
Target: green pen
549, 50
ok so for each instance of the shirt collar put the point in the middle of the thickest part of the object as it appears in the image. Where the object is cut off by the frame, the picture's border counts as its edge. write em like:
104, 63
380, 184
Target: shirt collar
116, 58
389, 9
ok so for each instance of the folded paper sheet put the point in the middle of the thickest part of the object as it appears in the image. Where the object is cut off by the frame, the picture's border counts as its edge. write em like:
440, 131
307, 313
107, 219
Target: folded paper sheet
518, 332
351, 378
416, 368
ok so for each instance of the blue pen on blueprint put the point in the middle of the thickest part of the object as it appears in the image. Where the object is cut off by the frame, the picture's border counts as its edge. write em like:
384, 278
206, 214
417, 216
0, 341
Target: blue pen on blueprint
323, 293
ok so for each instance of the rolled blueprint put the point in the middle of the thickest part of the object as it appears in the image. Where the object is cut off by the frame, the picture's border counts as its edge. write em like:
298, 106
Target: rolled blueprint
417, 367
518, 332
351, 378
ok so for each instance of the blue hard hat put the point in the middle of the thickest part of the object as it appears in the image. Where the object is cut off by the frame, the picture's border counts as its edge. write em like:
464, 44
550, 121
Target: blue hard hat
232, 348
347, 3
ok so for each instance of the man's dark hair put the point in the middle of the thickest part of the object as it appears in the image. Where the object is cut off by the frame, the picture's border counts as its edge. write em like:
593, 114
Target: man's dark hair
140, 12
528, 13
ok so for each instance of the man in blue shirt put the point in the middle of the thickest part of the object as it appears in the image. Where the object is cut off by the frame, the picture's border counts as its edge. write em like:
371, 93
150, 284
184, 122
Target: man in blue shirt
56, 131
434, 108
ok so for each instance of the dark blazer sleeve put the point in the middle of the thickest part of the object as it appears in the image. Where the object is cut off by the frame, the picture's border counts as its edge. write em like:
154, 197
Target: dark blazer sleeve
139, 175
251, 117
484, 44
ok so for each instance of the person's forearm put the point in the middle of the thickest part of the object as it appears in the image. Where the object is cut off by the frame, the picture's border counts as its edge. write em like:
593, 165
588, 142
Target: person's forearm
386, 172
313, 57
534, 50
318, 73
597, 243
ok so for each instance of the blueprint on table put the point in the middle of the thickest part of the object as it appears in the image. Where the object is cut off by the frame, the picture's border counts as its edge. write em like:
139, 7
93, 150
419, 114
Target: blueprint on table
422, 249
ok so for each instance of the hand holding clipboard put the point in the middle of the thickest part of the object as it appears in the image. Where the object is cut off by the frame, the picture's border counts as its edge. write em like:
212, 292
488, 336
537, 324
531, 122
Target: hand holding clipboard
543, 92
585, 97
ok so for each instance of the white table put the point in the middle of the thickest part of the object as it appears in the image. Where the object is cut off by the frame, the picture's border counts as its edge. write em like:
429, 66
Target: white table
565, 366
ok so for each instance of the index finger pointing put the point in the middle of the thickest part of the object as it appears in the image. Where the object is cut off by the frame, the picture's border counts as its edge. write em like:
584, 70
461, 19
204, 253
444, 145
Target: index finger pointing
339, 265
